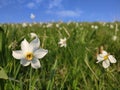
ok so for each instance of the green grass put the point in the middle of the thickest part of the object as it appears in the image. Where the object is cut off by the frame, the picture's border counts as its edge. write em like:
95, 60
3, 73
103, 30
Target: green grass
70, 68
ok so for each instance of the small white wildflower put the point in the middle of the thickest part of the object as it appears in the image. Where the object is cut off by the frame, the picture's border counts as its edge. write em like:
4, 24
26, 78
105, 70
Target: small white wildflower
57, 25
62, 42
92, 26
111, 26
96, 27
30, 53
33, 35
49, 25
106, 58
24, 24
114, 38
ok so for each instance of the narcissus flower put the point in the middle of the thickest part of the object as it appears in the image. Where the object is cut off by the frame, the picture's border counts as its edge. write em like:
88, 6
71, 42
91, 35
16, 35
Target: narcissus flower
94, 27
62, 42
114, 38
106, 58
30, 53
111, 26
33, 35
24, 24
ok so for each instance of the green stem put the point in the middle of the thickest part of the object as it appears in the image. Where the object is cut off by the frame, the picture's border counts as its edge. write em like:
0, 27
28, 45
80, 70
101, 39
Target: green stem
30, 79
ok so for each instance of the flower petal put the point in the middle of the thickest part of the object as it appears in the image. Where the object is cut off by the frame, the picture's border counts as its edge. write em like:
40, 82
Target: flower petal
35, 63
61, 45
104, 53
33, 35
62, 42
112, 59
17, 54
40, 53
35, 43
106, 63
25, 46
24, 62
99, 58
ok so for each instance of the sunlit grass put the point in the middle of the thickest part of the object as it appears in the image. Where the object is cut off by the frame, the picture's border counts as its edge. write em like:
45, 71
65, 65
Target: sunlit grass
72, 67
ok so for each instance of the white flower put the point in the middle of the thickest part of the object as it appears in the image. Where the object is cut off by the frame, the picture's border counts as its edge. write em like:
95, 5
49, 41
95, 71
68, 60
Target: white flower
114, 38
96, 27
32, 35
62, 42
49, 25
30, 53
111, 26
57, 25
92, 26
106, 58
32, 16
24, 24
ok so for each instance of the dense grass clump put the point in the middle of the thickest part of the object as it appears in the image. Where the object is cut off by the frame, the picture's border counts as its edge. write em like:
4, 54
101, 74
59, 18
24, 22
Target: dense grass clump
64, 68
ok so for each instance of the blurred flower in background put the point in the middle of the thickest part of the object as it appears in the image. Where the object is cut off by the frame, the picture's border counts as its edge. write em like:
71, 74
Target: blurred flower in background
62, 42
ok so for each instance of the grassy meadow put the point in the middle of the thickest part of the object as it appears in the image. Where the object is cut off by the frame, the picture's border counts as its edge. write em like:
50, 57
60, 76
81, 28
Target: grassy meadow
72, 67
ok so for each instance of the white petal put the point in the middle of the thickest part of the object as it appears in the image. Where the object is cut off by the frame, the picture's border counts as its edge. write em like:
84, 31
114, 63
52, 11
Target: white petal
64, 39
35, 43
104, 53
33, 35
65, 45
24, 62
100, 57
40, 53
112, 59
25, 46
61, 45
59, 42
35, 63
17, 54
106, 63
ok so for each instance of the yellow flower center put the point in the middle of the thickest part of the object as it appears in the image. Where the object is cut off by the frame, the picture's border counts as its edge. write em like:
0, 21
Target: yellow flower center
29, 56
106, 57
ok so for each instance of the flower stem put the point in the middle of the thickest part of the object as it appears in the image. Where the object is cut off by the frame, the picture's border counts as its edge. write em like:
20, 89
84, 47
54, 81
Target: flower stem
30, 79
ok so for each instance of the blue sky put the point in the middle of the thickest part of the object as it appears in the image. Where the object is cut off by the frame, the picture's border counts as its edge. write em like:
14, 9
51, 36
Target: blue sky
17, 11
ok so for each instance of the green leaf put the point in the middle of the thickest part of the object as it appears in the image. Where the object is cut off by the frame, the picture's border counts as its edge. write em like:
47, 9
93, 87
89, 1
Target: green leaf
1, 39
3, 75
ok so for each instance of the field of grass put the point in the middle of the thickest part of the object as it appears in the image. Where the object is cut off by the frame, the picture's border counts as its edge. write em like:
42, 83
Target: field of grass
70, 68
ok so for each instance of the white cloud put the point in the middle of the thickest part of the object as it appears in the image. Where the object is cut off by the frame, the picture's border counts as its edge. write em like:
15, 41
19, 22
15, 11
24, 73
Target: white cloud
31, 5
38, 1
66, 13
34, 4
21, 1
69, 13
55, 3
5, 3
